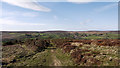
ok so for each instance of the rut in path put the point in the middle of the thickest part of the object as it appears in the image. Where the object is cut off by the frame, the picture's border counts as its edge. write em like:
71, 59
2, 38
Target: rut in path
56, 62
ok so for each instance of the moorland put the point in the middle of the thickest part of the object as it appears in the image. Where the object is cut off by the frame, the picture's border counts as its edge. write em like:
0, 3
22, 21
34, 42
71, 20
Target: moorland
60, 48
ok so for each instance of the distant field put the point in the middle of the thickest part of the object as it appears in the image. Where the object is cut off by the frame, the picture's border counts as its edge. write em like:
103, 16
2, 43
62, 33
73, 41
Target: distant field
64, 34
60, 48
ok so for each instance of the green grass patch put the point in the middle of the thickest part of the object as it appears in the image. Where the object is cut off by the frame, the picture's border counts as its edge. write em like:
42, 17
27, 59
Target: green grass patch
39, 59
65, 58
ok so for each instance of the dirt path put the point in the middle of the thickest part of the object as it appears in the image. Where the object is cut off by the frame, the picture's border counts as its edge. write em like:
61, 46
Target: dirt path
56, 62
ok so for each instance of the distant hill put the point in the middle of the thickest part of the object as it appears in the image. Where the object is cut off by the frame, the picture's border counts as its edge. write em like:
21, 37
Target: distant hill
91, 32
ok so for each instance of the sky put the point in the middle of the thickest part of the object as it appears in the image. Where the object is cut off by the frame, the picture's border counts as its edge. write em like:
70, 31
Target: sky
66, 16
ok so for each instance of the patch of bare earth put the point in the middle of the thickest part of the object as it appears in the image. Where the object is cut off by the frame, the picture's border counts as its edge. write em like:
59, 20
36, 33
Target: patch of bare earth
56, 62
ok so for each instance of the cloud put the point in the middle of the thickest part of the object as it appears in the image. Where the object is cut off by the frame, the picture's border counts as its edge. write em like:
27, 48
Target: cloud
106, 7
29, 5
18, 13
88, 1
76, 0
10, 22
92, 0
81, 0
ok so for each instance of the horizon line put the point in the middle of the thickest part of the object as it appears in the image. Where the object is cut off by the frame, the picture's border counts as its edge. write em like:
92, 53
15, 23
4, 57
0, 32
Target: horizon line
54, 30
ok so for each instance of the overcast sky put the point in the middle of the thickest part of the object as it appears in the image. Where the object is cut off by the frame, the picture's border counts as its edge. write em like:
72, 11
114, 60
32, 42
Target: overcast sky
68, 16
